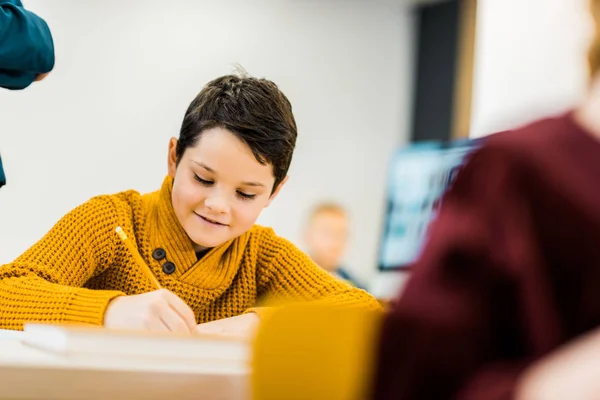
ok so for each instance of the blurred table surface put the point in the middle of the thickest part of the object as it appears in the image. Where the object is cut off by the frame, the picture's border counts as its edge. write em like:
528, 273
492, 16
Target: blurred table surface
29, 373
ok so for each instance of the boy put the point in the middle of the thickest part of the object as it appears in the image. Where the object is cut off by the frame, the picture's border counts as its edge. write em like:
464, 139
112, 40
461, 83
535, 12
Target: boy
196, 233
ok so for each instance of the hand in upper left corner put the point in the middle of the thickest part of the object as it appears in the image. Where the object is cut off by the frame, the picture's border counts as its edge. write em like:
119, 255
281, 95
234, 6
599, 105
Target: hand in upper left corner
41, 77
241, 327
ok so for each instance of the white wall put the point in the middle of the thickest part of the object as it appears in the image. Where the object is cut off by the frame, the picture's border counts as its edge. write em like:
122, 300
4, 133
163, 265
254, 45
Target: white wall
530, 60
126, 71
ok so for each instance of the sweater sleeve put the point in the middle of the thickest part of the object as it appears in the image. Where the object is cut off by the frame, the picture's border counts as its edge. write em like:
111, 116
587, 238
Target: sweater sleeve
45, 284
285, 274
26, 46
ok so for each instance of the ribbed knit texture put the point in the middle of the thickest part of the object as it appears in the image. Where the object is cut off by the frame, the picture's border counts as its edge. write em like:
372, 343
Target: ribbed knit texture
73, 272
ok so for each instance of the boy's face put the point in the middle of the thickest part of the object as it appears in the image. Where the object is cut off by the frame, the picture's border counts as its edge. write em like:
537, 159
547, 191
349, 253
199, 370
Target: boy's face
219, 188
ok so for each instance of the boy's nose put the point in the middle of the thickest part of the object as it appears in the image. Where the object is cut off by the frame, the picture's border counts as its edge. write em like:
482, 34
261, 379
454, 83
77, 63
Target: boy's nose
217, 205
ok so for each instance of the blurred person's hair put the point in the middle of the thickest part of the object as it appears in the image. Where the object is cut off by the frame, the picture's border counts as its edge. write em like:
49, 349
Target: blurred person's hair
594, 51
327, 207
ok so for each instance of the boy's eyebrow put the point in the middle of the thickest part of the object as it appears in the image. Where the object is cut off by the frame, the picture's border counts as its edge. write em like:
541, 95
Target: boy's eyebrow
209, 169
256, 184
206, 167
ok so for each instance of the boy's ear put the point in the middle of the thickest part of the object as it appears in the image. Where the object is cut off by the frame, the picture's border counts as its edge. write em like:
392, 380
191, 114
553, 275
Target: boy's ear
276, 191
172, 157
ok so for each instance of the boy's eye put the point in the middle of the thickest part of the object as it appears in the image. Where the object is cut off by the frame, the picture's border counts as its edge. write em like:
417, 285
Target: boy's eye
246, 196
242, 195
203, 181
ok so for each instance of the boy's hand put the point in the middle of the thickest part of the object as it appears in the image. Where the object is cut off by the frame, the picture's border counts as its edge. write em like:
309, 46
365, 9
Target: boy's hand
241, 327
160, 310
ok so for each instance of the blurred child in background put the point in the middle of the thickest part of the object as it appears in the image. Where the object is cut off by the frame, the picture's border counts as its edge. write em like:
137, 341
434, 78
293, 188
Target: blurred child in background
326, 237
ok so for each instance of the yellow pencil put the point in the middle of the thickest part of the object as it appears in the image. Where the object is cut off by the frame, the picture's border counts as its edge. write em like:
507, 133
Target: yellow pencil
137, 257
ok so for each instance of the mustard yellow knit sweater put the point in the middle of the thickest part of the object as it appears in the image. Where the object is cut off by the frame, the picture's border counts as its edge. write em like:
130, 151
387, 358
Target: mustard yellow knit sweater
72, 273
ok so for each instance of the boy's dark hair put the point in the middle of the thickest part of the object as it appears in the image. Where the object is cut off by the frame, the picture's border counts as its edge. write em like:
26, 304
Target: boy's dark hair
253, 109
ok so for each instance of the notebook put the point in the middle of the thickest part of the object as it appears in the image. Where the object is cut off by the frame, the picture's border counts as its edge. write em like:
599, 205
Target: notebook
7, 334
76, 340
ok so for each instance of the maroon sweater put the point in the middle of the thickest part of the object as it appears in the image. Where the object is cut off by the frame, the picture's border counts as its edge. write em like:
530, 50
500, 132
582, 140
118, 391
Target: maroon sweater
511, 269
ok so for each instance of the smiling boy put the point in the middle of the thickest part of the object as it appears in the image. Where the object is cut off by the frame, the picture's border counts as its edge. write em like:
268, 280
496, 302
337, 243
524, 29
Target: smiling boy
197, 233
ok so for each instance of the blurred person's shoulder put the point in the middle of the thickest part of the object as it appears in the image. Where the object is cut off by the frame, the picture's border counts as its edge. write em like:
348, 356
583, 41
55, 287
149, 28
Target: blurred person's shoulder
541, 139
550, 156
545, 144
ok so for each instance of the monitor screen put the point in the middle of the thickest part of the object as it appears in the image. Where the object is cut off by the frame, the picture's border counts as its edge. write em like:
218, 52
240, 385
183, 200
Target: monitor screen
419, 175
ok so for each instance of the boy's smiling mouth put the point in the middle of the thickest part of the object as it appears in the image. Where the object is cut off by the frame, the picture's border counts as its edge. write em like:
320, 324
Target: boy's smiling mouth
210, 221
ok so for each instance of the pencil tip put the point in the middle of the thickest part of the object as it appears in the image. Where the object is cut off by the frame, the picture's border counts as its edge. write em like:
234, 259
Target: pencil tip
121, 233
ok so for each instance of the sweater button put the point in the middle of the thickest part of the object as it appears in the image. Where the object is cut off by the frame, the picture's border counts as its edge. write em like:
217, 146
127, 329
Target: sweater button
159, 254
168, 268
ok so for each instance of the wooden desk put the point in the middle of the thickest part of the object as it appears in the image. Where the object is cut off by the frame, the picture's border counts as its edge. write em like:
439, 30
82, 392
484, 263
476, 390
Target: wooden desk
28, 373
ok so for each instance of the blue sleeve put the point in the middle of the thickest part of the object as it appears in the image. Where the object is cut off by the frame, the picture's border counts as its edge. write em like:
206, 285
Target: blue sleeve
2, 176
26, 46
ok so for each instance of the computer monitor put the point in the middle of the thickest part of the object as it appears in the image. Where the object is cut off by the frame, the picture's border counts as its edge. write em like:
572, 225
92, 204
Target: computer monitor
419, 175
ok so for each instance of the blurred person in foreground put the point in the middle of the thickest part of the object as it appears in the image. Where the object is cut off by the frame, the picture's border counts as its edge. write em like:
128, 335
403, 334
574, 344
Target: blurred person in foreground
504, 301
326, 238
